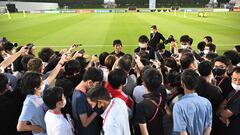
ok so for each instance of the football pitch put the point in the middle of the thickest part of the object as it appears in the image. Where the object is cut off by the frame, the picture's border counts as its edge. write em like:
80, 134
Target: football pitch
96, 31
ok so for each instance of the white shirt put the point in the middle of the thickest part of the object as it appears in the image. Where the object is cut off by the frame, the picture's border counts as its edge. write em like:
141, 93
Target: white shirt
138, 93
115, 118
56, 124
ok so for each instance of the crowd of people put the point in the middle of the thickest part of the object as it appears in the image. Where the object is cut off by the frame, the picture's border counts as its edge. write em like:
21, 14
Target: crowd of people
153, 91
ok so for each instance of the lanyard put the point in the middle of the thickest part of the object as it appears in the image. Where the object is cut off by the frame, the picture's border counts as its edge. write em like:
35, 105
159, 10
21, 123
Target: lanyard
40, 104
110, 108
230, 99
220, 82
158, 106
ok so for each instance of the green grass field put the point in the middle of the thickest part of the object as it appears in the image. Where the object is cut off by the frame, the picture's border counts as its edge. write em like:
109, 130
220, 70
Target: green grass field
96, 31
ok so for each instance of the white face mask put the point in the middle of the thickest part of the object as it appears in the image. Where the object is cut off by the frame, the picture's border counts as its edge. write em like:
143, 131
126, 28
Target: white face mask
141, 45
152, 31
206, 52
236, 87
184, 46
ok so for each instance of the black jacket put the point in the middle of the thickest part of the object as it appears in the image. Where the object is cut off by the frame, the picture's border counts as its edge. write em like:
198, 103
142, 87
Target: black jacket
154, 40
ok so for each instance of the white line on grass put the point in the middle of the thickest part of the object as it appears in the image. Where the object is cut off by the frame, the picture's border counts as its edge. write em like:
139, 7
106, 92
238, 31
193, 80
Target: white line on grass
89, 46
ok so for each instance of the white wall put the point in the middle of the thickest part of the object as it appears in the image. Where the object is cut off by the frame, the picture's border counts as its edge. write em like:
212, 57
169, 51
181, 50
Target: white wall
31, 6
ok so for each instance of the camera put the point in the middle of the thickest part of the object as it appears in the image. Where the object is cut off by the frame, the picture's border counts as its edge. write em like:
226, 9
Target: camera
170, 39
82, 51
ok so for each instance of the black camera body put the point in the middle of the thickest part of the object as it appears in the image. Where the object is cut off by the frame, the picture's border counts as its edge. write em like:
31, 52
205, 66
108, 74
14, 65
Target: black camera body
170, 39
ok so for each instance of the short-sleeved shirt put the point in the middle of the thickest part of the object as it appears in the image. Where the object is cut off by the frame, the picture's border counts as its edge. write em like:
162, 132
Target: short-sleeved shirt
234, 106
57, 125
138, 93
34, 111
145, 113
193, 114
80, 106
115, 118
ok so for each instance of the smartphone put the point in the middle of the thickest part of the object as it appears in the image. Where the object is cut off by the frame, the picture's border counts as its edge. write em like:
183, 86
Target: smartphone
29, 47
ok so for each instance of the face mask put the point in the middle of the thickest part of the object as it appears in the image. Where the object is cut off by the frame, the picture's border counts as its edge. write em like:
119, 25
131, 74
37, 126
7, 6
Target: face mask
141, 45
206, 52
218, 71
152, 31
184, 46
236, 87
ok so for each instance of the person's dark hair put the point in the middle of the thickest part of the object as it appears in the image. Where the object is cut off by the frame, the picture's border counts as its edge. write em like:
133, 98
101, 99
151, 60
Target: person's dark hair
144, 55
8, 46
190, 79
143, 39
184, 38
30, 81
25, 61
117, 42
98, 93
117, 77
125, 64
102, 58
190, 41
174, 79
171, 62
128, 56
154, 27
186, 60
183, 51
34, 64
211, 46
45, 54
233, 56
211, 56
205, 68
72, 67
52, 96
236, 70
222, 59
209, 38
93, 74
237, 47
3, 82
17, 64
160, 46
109, 61
67, 86
152, 79
201, 46
83, 62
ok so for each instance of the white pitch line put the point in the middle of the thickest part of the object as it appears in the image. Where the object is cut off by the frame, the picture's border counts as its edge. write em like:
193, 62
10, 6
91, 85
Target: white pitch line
89, 46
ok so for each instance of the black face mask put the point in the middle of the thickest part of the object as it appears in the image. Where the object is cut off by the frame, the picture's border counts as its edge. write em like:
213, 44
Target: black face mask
218, 71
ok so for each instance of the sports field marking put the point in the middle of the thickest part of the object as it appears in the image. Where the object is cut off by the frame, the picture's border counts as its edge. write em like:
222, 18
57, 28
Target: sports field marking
202, 20
89, 46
